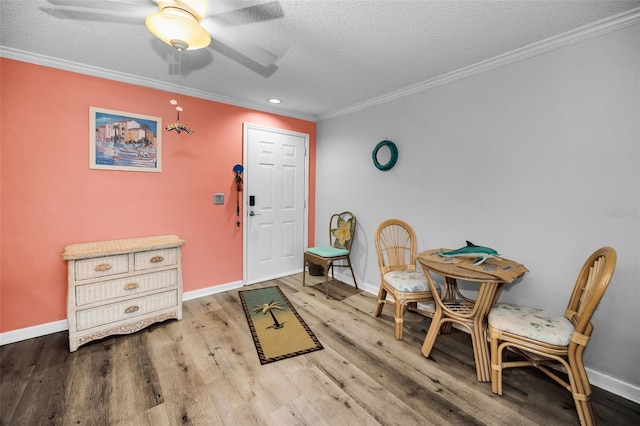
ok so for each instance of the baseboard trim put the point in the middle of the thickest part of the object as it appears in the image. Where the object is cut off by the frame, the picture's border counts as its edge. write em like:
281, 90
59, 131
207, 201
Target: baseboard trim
196, 294
34, 331
597, 379
613, 385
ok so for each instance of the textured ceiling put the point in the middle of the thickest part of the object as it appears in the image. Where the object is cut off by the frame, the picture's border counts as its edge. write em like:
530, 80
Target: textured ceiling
331, 55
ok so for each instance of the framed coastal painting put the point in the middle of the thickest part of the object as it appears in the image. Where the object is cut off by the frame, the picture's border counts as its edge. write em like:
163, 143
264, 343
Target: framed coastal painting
124, 141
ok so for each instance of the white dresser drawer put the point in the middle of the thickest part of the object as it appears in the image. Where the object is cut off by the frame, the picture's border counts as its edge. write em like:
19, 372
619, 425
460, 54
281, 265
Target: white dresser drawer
89, 318
101, 266
155, 258
108, 290
122, 286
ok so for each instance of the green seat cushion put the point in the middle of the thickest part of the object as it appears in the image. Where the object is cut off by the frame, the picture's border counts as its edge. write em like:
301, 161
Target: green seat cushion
327, 251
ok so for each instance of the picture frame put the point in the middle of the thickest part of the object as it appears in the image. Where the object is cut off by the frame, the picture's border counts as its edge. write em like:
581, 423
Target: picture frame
124, 141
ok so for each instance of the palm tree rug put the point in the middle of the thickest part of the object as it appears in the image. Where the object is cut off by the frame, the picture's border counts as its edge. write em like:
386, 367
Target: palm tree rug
278, 330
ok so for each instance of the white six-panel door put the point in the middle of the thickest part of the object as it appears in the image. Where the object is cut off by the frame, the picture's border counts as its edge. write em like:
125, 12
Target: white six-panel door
275, 177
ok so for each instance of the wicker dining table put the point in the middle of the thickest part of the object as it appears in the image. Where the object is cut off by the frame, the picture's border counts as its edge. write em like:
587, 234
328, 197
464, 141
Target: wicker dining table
451, 306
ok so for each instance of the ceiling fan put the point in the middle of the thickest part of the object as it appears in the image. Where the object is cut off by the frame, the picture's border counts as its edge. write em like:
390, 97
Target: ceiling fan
183, 24
179, 24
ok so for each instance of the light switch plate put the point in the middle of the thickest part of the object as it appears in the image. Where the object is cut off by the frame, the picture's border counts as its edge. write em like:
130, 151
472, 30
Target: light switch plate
218, 198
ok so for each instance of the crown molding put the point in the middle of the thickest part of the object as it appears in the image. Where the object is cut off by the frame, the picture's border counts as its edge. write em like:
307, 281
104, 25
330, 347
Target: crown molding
577, 35
48, 61
585, 32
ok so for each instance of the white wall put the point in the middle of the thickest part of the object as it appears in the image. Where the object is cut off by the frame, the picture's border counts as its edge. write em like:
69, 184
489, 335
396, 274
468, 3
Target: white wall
538, 159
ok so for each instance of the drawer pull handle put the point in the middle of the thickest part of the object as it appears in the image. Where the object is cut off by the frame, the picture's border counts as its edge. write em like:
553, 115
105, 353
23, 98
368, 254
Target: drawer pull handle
131, 309
102, 267
156, 259
131, 286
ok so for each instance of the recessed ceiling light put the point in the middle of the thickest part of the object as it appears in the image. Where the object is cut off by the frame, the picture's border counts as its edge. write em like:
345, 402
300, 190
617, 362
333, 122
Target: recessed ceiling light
275, 101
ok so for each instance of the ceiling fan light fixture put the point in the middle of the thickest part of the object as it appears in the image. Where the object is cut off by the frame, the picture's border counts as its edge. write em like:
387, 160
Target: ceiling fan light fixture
179, 28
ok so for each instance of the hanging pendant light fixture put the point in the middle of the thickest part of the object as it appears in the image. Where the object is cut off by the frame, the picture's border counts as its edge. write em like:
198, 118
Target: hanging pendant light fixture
179, 26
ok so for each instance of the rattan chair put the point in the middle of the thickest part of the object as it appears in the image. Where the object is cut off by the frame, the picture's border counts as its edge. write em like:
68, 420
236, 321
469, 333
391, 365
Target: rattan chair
396, 245
342, 230
543, 338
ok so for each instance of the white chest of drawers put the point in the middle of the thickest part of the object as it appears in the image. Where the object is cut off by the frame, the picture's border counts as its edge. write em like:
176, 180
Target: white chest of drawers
122, 286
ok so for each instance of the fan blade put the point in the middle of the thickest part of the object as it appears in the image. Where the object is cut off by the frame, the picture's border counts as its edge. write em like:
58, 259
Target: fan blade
238, 43
223, 6
93, 16
254, 11
121, 7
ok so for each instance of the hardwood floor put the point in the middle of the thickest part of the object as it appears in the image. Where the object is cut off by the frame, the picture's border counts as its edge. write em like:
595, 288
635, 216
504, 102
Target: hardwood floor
204, 370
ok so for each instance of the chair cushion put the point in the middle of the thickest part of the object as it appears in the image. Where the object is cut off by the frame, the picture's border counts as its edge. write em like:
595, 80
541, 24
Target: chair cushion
409, 281
327, 251
533, 323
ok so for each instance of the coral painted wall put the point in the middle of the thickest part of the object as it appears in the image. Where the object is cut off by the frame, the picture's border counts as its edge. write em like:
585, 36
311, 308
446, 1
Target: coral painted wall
50, 198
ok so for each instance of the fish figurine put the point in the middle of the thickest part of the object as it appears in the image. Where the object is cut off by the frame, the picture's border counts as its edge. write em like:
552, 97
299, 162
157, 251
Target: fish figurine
471, 251
178, 127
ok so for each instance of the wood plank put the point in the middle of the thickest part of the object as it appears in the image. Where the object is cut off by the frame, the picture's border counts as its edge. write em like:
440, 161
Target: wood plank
183, 389
134, 376
89, 383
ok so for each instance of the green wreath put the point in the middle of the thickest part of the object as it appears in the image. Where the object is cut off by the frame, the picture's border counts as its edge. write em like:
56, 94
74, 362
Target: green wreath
394, 155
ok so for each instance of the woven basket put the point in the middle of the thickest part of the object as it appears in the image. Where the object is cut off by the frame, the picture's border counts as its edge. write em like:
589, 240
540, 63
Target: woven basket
316, 270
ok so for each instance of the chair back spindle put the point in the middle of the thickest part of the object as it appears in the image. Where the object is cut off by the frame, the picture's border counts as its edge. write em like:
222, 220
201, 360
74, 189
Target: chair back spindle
396, 246
592, 282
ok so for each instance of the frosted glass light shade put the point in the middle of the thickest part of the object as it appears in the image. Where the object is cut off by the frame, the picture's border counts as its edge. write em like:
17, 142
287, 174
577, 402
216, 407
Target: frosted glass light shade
178, 28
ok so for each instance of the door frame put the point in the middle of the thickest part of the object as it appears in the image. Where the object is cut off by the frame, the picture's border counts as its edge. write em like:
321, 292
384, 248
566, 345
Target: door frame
247, 175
